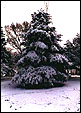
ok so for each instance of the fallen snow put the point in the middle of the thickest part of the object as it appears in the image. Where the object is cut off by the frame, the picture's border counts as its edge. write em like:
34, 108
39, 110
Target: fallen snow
59, 99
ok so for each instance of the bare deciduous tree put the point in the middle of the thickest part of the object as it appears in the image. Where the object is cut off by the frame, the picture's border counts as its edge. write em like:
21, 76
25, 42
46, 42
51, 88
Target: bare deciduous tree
13, 33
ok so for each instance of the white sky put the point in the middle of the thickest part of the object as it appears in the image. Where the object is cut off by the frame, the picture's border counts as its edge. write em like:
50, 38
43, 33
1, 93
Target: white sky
65, 15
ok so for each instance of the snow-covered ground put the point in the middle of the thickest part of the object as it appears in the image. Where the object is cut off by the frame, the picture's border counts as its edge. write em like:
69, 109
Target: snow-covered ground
59, 99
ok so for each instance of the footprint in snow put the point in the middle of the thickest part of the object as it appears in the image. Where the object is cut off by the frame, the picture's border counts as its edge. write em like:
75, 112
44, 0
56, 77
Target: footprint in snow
7, 100
15, 109
49, 103
10, 106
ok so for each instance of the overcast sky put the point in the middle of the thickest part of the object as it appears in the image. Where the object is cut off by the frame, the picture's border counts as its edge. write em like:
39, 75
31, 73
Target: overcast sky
65, 15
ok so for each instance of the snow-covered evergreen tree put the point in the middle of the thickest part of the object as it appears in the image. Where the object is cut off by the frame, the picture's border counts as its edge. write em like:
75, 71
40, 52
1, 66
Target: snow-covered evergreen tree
6, 62
72, 52
42, 63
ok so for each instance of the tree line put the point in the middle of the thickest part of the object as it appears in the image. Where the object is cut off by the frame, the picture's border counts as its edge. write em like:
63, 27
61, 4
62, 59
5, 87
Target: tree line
37, 49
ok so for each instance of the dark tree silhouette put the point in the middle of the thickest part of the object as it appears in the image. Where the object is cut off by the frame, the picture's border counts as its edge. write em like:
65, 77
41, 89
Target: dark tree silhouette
6, 61
13, 34
72, 52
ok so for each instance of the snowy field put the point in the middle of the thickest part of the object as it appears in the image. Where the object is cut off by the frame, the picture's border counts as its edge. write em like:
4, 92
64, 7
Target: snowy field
59, 99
